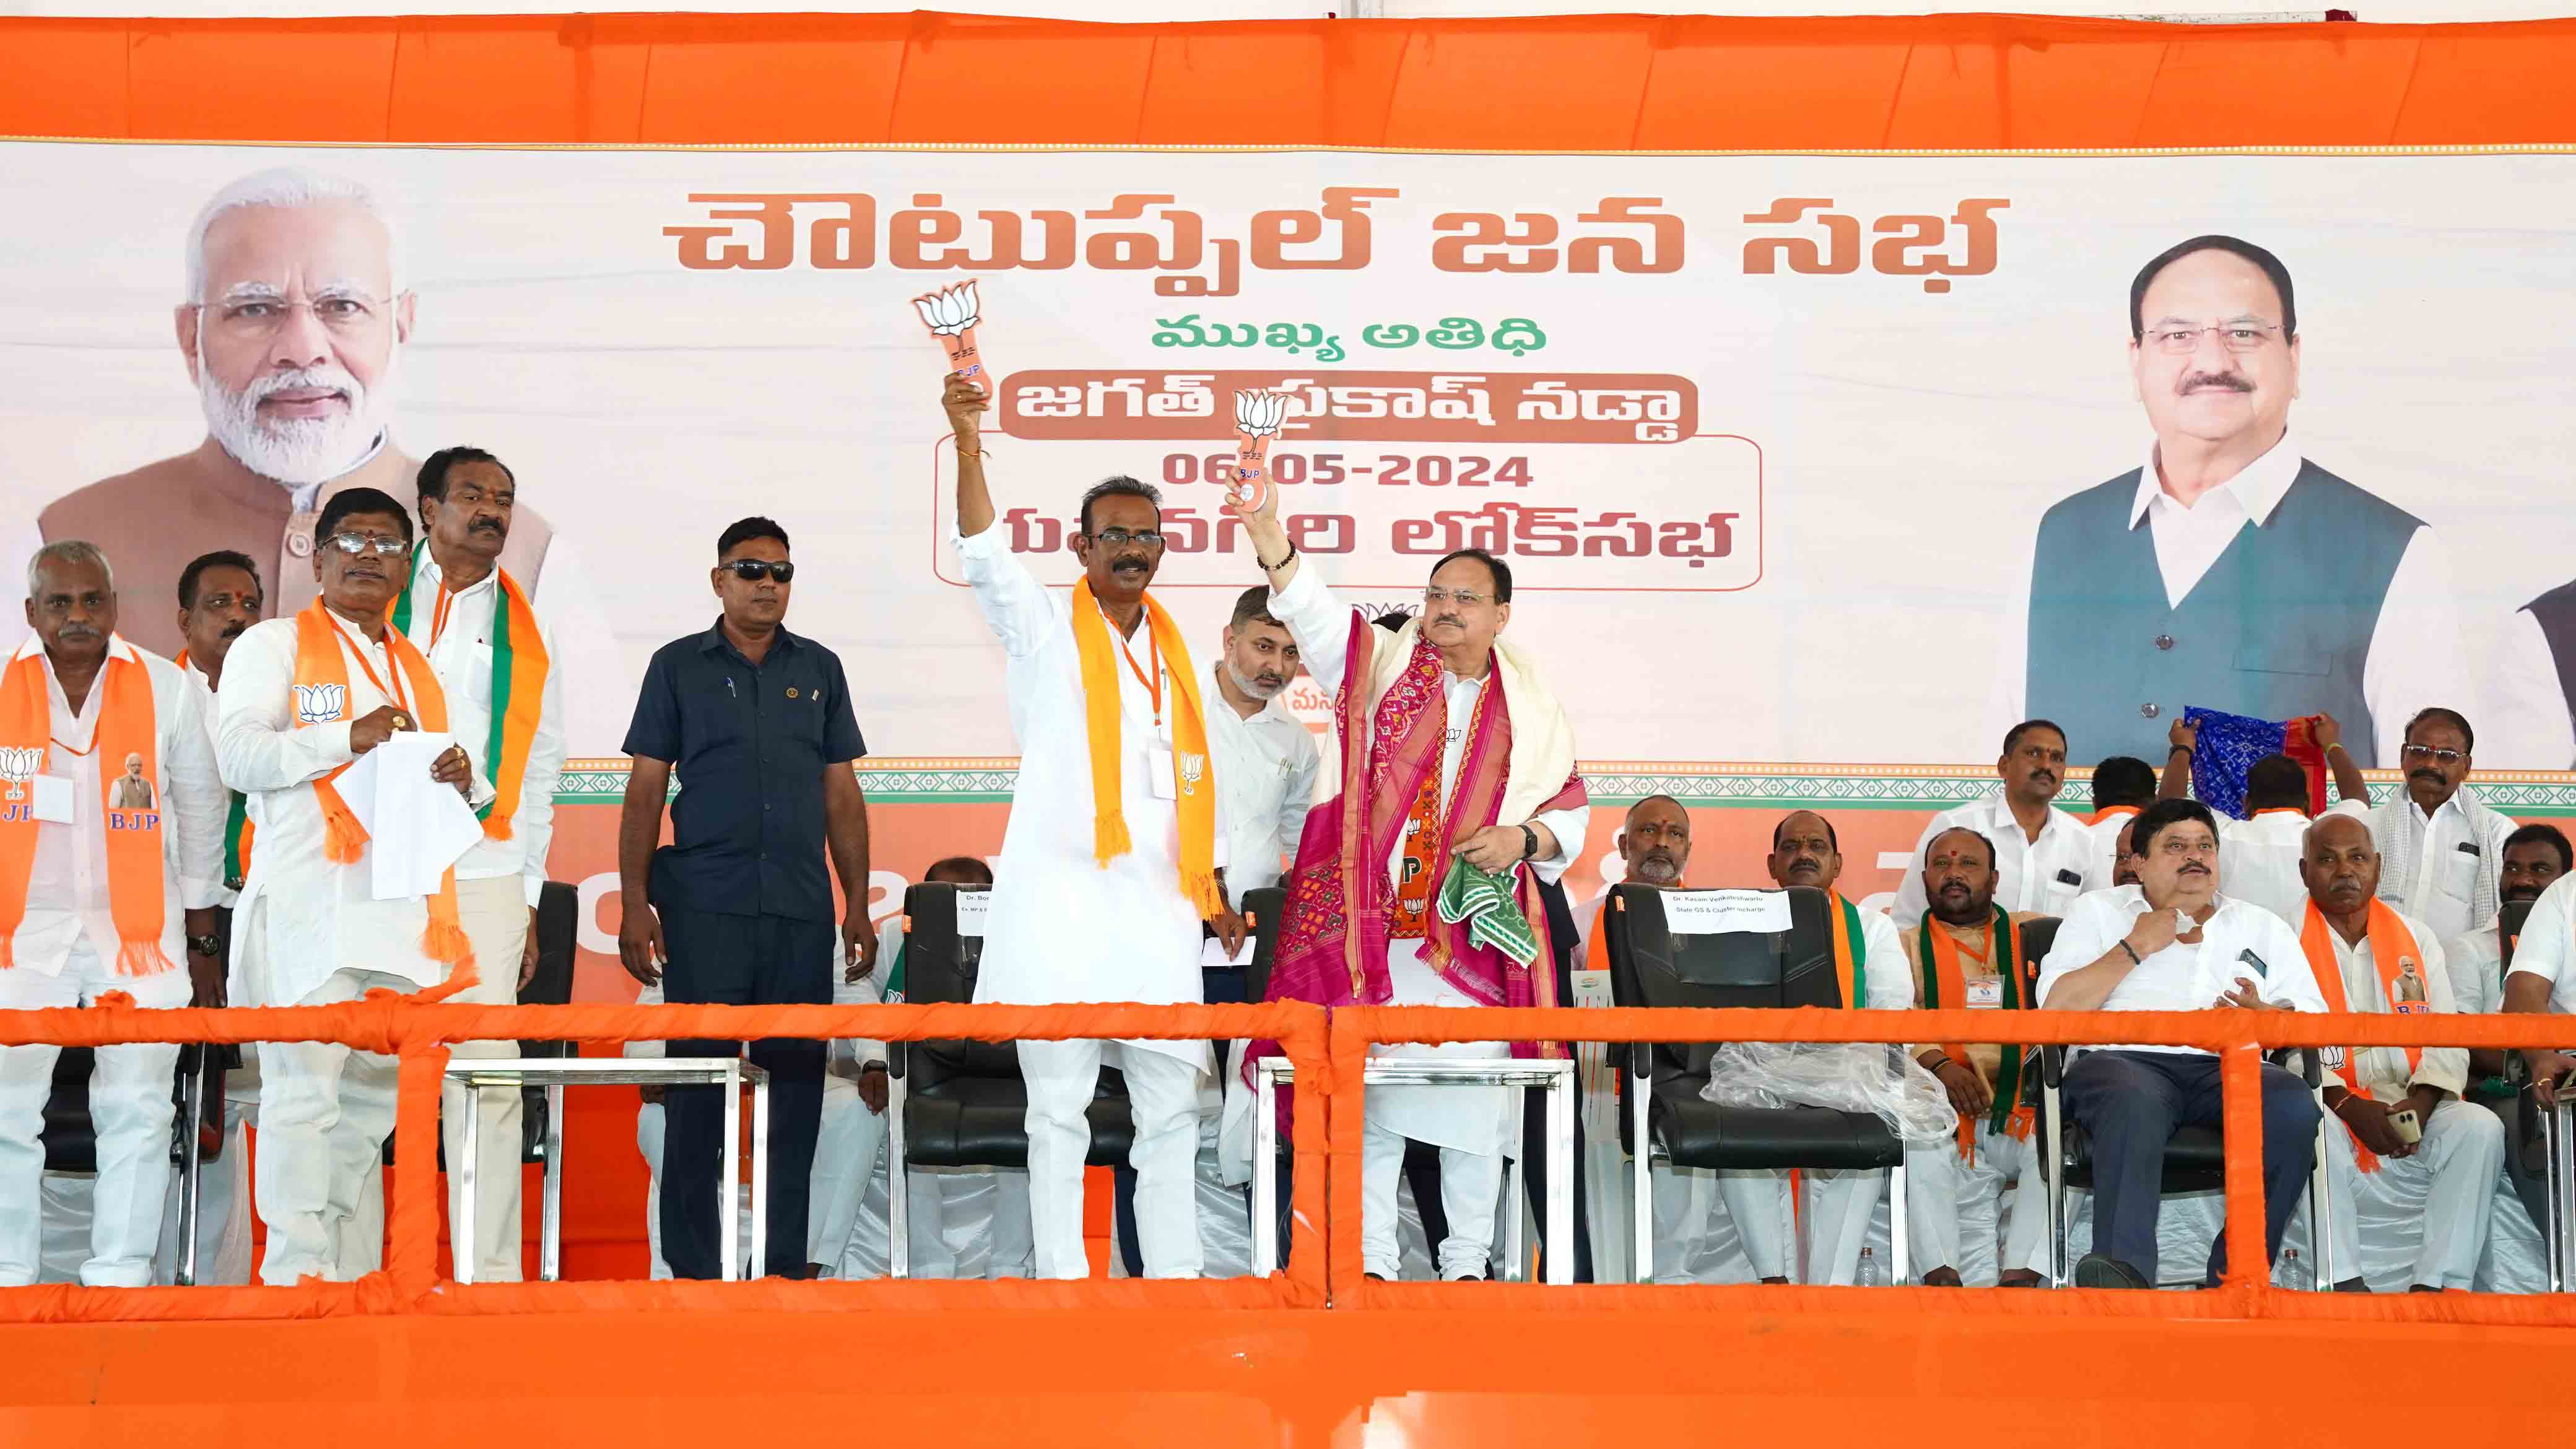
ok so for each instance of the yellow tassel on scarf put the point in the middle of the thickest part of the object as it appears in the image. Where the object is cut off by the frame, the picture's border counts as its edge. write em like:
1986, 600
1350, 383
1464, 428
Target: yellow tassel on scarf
1193, 782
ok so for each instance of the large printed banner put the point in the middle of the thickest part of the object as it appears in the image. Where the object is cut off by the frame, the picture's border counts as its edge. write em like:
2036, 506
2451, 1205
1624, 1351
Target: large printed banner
1804, 464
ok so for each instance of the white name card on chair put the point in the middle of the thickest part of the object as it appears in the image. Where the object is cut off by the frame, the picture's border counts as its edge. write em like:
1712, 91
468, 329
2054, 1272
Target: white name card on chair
1715, 913
970, 912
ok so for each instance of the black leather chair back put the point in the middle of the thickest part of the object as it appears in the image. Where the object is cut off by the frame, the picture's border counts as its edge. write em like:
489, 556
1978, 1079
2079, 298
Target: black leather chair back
2514, 914
1263, 908
943, 952
70, 1142
1652, 965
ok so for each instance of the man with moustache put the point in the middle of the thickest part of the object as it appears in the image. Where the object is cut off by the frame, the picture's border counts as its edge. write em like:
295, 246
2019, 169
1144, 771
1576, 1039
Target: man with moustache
2443, 847
293, 328
2410, 1212
97, 897
2044, 857
1114, 856
1457, 765
1838, 1202
737, 909
2228, 570
2173, 943
302, 699
2535, 858
1968, 954
495, 655
2123, 785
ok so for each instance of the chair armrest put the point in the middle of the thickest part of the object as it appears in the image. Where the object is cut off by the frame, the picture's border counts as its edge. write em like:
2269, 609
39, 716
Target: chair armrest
2052, 1065
896, 1054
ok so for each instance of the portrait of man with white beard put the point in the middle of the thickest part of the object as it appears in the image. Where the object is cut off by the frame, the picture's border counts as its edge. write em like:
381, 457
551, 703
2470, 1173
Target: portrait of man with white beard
293, 330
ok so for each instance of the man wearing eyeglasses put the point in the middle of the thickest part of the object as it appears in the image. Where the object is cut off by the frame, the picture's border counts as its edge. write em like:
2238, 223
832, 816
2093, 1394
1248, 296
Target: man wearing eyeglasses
496, 658
2228, 571
2442, 847
1456, 753
303, 699
292, 329
1115, 853
737, 908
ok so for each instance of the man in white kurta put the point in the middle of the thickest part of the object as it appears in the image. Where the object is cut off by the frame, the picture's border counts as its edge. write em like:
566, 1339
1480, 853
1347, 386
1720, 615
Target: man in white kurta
1469, 1125
2442, 846
2044, 857
2417, 1215
452, 610
66, 949
310, 932
1063, 926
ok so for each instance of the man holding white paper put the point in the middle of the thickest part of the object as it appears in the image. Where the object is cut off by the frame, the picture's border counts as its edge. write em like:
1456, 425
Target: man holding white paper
303, 700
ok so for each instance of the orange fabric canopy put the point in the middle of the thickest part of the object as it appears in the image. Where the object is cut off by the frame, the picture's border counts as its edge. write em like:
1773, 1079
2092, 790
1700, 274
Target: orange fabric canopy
1606, 82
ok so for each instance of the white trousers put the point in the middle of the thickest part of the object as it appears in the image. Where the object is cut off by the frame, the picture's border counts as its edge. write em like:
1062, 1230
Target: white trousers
2417, 1220
494, 913
1838, 1206
325, 1111
1470, 1188
1954, 1208
1164, 1091
130, 1113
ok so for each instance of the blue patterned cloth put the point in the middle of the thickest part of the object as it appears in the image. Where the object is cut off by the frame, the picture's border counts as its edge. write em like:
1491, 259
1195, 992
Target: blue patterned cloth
2228, 747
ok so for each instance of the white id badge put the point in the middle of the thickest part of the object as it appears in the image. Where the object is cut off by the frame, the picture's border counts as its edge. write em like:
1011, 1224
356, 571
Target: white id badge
1986, 993
1159, 767
53, 796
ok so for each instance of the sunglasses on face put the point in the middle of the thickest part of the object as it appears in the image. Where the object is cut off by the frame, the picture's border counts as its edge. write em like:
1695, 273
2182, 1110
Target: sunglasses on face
753, 570
357, 543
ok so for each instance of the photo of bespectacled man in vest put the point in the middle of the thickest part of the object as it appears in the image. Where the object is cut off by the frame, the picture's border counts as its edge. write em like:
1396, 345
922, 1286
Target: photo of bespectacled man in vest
2230, 571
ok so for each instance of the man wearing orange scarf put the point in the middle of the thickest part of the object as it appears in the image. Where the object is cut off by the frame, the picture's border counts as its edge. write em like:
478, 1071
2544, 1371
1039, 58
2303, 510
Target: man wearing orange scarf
2409, 1213
93, 896
1114, 852
302, 699
495, 660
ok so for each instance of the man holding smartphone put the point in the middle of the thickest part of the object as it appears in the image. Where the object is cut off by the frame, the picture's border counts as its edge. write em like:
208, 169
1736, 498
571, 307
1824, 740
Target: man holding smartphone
2415, 1166
2173, 943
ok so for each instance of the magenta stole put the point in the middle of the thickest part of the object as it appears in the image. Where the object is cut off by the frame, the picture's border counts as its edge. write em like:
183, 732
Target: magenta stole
1333, 932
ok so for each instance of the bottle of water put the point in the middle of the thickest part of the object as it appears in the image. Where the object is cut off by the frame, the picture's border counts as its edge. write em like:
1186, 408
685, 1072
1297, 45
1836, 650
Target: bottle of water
2293, 1273
1870, 1276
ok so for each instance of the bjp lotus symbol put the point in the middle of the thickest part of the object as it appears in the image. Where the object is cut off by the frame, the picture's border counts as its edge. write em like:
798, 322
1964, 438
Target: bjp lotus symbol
951, 314
1258, 417
320, 703
18, 765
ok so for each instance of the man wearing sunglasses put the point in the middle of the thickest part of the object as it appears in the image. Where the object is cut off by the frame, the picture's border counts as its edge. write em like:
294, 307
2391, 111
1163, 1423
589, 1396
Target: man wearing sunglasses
738, 908
2441, 847
2228, 570
1115, 852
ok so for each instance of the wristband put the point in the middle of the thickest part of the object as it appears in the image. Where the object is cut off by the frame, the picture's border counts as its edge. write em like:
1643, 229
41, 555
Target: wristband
1284, 560
1529, 843
2177, 750
2337, 745
2134, 958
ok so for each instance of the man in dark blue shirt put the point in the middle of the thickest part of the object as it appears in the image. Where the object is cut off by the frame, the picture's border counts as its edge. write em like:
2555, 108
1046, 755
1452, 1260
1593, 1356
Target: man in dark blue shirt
759, 723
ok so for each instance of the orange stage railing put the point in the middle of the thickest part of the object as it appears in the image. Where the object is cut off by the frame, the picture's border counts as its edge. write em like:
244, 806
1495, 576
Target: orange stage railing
1329, 1050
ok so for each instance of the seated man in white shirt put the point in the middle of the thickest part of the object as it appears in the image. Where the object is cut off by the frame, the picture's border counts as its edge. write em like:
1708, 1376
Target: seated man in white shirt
2535, 856
2411, 1202
2173, 943
2044, 857
2544, 979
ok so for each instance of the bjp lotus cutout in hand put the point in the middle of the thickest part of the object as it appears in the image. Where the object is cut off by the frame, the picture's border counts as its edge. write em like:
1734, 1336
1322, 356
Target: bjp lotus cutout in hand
1258, 417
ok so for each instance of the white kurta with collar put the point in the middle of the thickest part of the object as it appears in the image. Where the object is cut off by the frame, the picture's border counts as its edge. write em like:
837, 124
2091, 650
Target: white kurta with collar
1266, 765
460, 652
2042, 876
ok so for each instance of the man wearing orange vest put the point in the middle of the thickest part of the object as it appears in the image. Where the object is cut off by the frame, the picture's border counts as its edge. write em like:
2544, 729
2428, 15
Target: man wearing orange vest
494, 656
1968, 953
93, 896
2412, 1200
302, 700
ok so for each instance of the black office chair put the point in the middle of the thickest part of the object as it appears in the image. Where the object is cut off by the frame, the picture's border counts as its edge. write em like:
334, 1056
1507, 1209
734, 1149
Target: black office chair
964, 1103
2195, 1159
1650, 965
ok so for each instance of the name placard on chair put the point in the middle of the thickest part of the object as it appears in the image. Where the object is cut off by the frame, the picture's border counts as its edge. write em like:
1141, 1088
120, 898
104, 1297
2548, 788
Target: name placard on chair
970, 912
1718, 913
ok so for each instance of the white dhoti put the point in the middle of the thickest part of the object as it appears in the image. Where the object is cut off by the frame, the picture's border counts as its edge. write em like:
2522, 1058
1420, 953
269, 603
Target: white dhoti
1837, 1207
1955, 1209
1468, 1124
130, 1113
2418, 1220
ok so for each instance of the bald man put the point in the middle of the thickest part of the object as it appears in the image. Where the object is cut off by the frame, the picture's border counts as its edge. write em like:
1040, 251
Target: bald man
1837, 1207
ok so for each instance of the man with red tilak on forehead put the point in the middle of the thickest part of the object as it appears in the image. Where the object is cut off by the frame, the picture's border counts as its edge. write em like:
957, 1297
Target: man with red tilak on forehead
1452, 750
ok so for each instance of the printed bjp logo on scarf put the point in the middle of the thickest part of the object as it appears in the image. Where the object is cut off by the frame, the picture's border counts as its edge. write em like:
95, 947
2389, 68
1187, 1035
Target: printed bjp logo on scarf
320, 703
18, 765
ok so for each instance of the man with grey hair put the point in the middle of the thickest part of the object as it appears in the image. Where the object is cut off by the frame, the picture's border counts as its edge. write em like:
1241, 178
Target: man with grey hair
292, 329
97, 896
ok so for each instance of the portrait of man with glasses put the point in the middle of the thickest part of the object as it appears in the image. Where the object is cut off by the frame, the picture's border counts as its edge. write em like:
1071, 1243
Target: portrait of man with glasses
293, 328
2230, 570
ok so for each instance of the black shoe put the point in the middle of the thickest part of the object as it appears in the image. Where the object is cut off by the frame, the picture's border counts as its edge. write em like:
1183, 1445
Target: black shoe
2097, 1270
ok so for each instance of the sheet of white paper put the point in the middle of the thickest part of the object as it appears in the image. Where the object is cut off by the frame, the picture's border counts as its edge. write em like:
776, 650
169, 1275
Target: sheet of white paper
970, 912
416, 827
1212, 953
1715, 913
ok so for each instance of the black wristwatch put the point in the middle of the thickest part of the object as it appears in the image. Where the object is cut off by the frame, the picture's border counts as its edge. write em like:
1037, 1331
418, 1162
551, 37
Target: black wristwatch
206, 946
1529, 843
